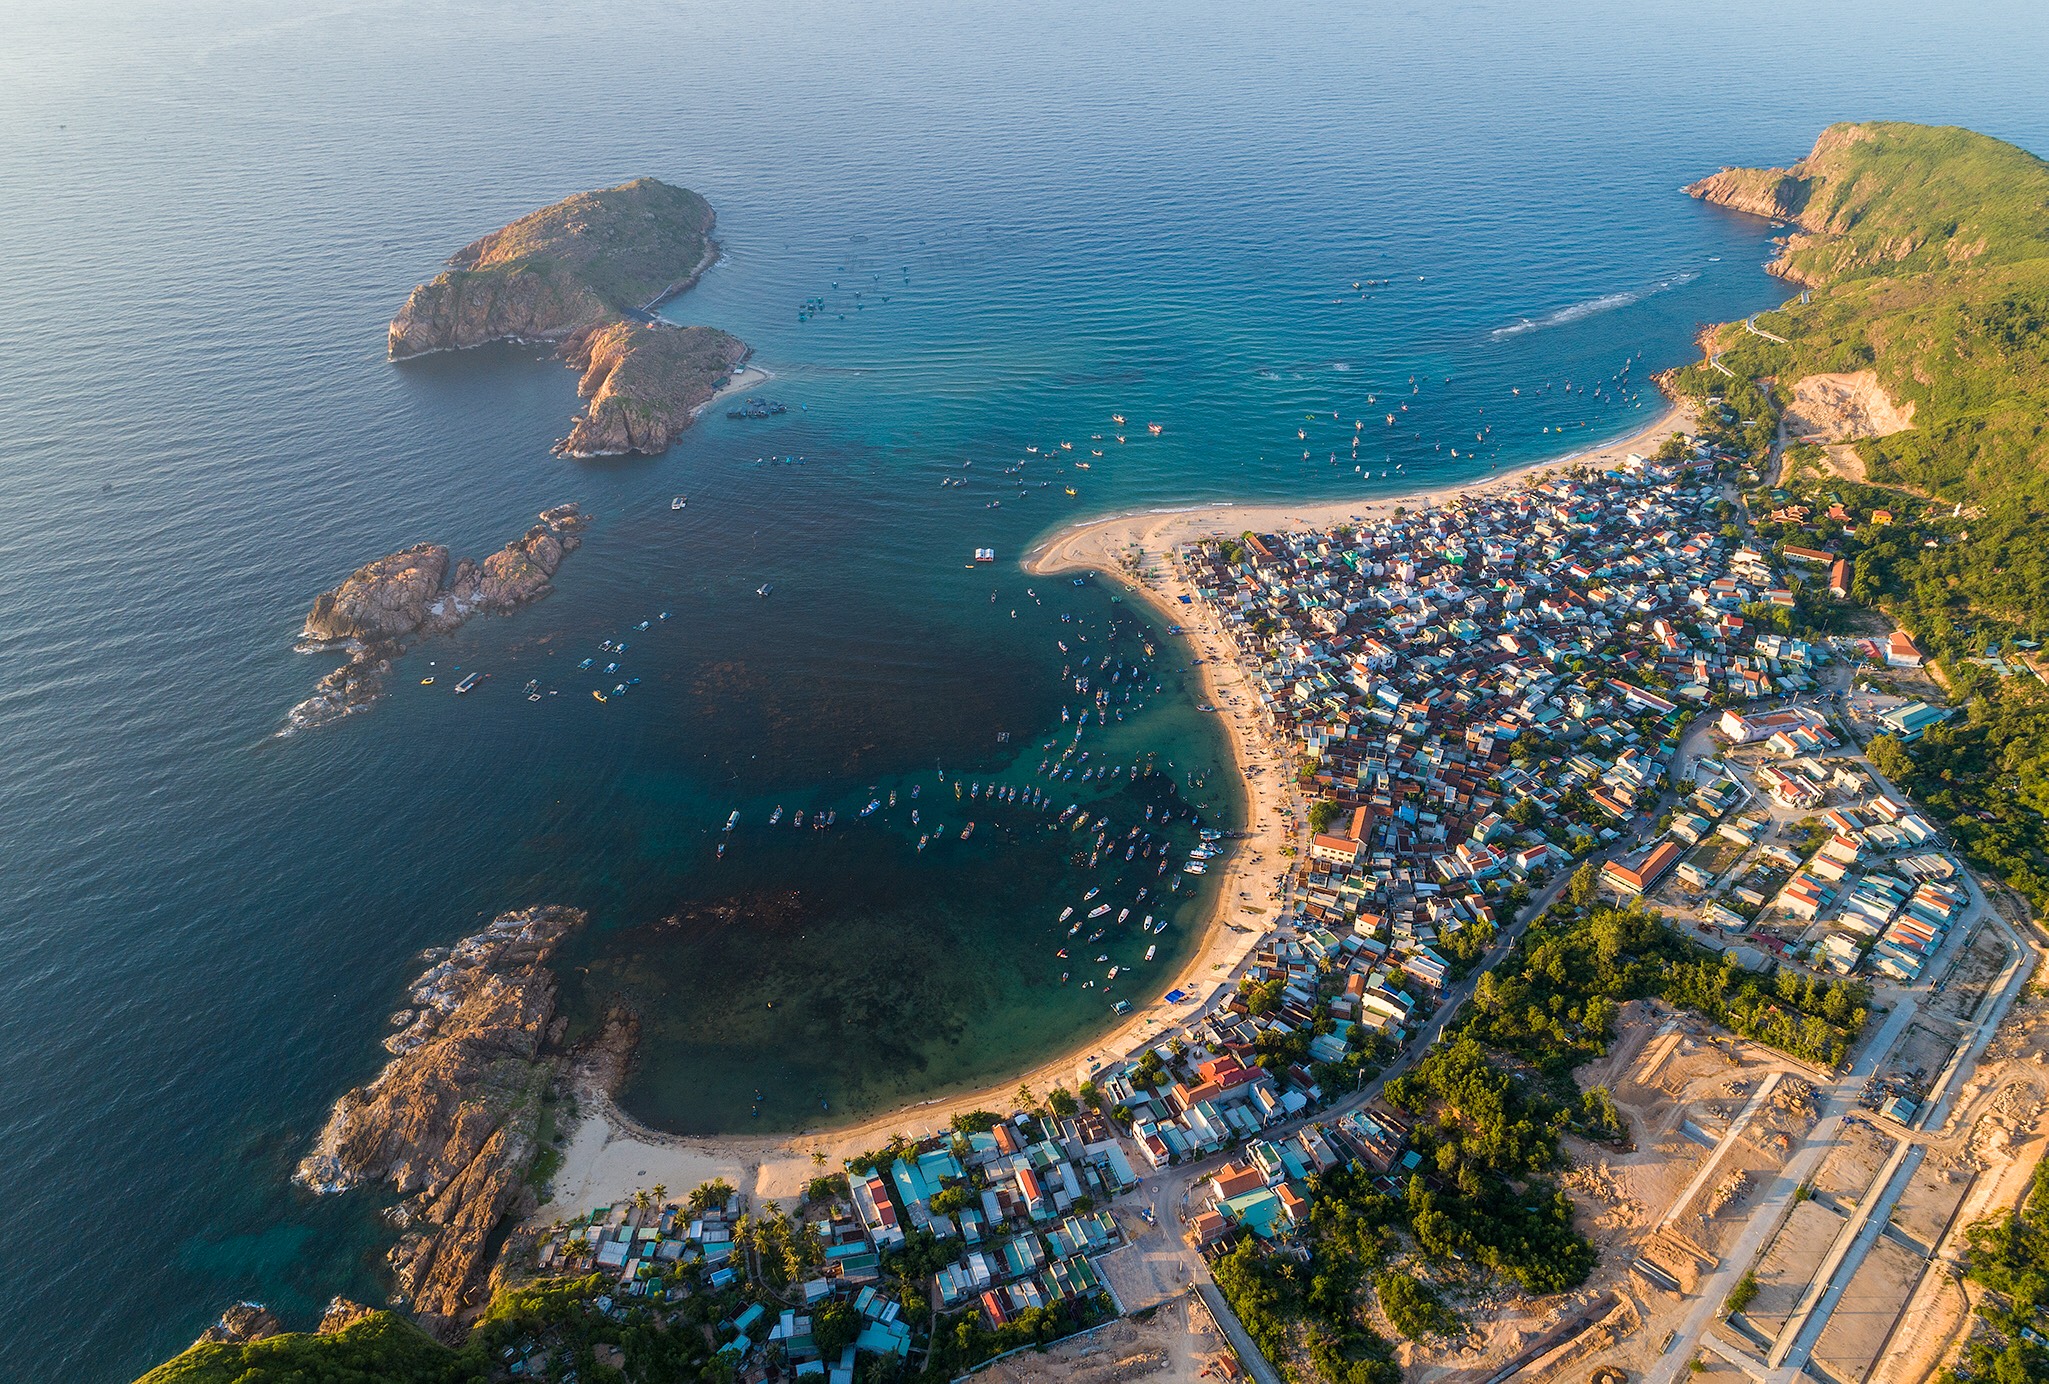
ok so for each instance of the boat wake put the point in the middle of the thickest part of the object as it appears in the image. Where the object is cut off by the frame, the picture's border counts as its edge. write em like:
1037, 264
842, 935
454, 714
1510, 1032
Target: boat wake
1592, 307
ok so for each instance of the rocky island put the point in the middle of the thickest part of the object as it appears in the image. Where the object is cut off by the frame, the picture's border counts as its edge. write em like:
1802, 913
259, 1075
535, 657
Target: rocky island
587, 273
415, 591
454, 1120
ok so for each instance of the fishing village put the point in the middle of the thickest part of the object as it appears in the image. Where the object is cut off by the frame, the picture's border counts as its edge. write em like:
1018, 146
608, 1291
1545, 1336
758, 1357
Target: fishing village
1477, 730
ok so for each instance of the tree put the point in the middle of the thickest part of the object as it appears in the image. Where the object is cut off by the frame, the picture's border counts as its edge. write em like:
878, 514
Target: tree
1322, 814
1580, 891
1062, 1102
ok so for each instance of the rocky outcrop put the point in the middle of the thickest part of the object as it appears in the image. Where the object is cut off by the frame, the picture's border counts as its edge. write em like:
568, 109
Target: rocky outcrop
451, 1122
1769, 192
644, 384
341, 1314
240, 1324
587, 272
415, 592
572, 265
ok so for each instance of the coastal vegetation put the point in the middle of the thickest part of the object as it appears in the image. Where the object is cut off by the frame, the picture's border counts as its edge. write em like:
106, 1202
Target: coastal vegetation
1925, 253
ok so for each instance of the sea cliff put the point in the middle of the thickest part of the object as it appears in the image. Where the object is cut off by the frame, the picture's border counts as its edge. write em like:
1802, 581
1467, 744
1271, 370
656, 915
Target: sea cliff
587, 273
415, 592
453, 1121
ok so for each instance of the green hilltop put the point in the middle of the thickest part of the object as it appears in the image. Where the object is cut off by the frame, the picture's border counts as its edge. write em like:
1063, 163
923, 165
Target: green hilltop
1925, 255
1926, 250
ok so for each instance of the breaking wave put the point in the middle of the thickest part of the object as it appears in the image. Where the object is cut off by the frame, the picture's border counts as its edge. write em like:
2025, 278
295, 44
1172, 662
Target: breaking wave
1607, 302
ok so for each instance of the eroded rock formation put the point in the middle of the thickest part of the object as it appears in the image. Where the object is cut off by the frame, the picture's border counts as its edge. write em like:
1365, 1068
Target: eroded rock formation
415, 592
451, 1123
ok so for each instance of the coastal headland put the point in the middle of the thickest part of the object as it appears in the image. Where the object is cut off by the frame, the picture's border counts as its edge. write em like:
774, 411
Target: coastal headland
587, 273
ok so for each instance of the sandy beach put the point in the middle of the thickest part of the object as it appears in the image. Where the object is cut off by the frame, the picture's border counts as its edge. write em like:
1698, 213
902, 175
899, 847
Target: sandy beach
610, 1156
745, 378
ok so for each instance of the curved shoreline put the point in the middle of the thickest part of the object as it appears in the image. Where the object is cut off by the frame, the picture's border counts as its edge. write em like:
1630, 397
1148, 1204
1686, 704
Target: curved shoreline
611, 1155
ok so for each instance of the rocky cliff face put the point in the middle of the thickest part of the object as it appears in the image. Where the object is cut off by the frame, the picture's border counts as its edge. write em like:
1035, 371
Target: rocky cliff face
463, 308
414, 592
451, 1122
644, 384
1772, 192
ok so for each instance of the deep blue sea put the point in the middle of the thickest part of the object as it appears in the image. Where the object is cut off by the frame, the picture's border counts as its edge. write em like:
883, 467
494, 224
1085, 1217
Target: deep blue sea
1020, 220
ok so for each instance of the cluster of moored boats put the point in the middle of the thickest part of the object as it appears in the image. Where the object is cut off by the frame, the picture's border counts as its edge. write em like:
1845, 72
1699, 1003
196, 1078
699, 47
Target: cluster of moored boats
611, 650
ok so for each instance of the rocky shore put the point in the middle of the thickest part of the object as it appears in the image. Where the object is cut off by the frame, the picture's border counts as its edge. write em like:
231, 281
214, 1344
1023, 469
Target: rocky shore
644, 383
587, 273
454, 1120
416, 591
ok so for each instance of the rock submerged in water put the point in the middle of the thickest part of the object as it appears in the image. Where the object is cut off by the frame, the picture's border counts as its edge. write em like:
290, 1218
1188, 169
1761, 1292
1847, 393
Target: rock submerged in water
587, 273
414, 592
452, 1121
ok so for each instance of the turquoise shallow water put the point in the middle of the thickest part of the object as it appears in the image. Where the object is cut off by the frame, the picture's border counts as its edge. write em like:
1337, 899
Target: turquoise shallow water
1050, 217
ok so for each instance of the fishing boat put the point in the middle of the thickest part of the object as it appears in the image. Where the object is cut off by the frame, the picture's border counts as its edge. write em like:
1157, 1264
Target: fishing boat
967, 831
734, 820
776, 816
1195, 867
467, 683
722, 850
922, 840
1116, 418
1063, 977
678, 502
427, 681
1065, 914
1099, 910
1152, 951
1153, 428
1091, 894
1122, 914
798, 820
873, 804
598, 693
763, 589
1147, 925
1113, 972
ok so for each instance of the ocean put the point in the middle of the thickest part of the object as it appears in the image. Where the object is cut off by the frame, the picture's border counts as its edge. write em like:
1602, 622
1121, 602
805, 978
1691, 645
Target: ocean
1266, 232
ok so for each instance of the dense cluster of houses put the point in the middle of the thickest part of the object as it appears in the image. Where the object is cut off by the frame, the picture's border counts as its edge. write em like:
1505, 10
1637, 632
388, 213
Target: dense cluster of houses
1492, 685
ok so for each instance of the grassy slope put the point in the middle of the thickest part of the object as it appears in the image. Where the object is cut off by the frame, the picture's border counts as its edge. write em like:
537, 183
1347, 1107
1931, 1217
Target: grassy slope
624, 243
1927, 250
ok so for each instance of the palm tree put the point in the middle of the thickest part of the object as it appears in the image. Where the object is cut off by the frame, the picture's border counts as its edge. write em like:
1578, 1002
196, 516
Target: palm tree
640, 1199
661, 1192
818, 1158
